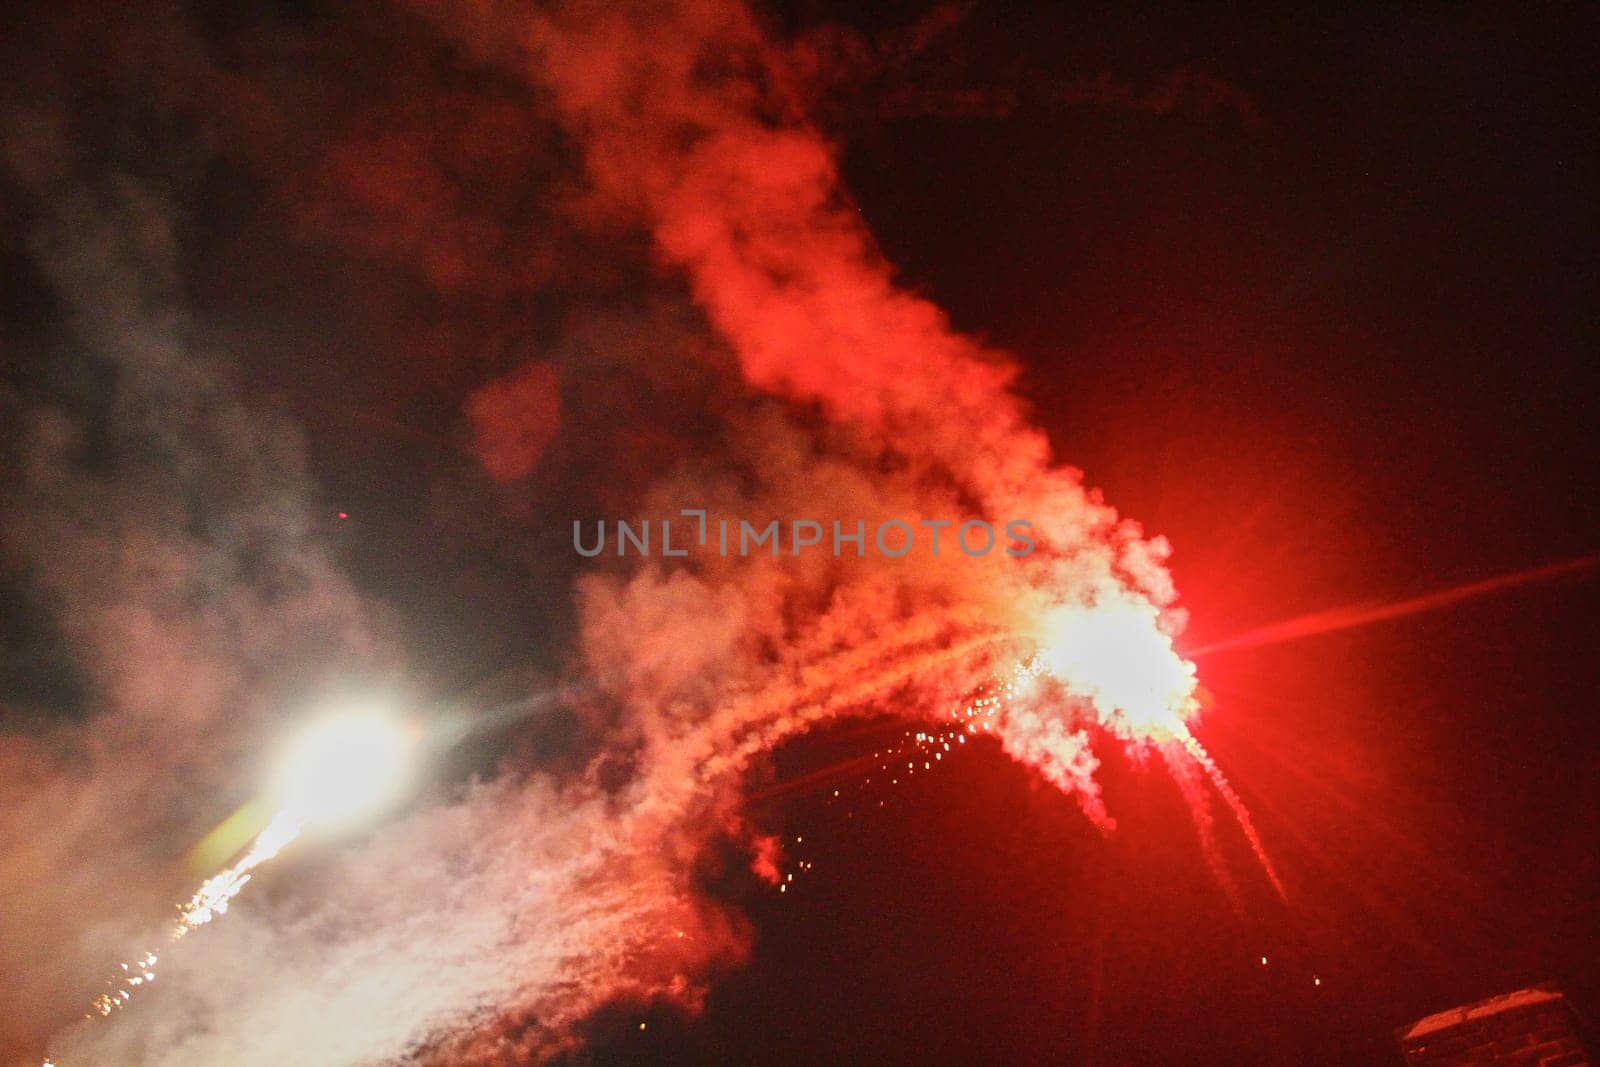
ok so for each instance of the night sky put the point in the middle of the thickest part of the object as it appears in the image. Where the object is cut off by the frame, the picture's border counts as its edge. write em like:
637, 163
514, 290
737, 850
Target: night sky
1310, 295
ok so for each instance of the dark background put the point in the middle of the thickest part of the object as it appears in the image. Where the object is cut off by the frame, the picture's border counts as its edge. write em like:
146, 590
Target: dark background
1339, 349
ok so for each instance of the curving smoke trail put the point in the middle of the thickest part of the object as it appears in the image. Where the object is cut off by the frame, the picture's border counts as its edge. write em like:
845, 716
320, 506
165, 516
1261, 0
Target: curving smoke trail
690, 124
480, 928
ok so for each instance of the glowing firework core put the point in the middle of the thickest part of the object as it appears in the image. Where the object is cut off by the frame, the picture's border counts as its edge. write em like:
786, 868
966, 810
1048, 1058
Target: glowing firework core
1118, 656
346, 768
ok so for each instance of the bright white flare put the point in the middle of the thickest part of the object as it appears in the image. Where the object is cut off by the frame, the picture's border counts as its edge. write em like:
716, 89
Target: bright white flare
346, 768
1116, 654
337, 772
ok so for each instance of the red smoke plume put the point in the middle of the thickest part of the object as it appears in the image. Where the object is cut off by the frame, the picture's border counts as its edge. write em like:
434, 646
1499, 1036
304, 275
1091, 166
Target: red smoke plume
481, 928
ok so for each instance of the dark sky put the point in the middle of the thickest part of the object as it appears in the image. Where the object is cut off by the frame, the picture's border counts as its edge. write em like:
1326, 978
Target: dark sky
1340, 349
1311, 295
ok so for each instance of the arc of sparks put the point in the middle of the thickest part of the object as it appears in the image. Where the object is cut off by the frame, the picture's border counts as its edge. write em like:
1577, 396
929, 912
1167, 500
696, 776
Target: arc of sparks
209, 901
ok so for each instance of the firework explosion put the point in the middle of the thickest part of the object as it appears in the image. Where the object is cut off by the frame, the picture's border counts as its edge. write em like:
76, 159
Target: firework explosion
484, 925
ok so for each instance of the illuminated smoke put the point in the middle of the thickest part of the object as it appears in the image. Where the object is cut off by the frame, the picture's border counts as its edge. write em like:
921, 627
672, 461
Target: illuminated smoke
164, 529
752, 211
482, 927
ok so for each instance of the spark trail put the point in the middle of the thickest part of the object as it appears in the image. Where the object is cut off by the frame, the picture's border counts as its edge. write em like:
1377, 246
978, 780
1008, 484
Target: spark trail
339, 770
210, 901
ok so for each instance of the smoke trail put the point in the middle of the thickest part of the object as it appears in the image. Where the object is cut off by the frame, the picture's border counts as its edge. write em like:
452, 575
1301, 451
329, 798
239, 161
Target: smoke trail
1183, 771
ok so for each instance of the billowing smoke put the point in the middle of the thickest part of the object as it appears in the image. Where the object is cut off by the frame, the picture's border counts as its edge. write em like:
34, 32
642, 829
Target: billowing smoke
524, 177
159, 531
687, 118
